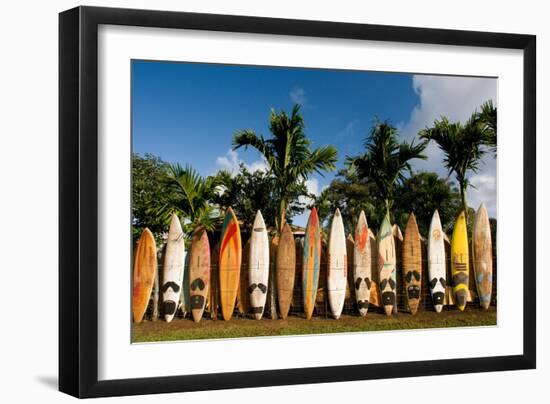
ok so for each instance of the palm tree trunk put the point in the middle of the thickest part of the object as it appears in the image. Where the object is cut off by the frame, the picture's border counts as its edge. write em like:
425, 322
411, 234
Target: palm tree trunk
464, 202
282, 214
387, 203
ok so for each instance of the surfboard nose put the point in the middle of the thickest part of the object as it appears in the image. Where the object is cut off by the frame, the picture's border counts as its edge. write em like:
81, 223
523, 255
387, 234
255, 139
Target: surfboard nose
461, 298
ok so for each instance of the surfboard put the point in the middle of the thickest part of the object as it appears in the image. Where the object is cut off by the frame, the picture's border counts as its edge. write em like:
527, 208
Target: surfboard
285, 270
199, 272
172, 272
362, 272
337, 265
412, 264
437, 272
243, 297
214, 290
258, 266
229, 263
460, 261
311, 263
483, 256
386, 265
145, 269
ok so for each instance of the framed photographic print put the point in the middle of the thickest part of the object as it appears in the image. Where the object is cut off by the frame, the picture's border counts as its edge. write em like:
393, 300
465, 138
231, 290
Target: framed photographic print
251, 201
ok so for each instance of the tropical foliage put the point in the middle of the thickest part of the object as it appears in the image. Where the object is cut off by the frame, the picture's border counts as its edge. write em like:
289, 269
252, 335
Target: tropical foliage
385, 161
191, 198
421, 193
289, 155
247, 192
463, 145
148, 193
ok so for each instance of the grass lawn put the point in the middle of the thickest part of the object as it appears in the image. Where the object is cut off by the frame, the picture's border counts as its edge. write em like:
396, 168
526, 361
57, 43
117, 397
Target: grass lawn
238, 327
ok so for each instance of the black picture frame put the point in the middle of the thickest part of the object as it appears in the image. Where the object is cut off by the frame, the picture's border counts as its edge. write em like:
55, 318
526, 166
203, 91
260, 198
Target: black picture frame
78, 200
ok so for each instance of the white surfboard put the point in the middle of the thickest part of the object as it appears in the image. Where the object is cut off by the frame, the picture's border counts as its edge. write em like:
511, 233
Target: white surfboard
436, 262
362, 267
172, 273
258, 266
337, 265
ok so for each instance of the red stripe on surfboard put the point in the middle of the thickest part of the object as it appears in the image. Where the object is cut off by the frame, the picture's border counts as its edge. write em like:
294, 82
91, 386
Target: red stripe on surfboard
231, 231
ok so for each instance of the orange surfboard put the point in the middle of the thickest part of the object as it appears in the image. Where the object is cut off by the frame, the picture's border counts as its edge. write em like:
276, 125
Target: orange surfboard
311, 264
145, 268
230, 263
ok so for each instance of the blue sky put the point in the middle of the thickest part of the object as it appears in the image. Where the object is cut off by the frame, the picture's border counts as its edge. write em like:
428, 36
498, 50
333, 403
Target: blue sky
188, 112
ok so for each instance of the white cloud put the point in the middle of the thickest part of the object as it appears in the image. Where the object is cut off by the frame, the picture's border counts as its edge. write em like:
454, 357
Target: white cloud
350, 129
456, 98
484, 189
298, 95
231, 161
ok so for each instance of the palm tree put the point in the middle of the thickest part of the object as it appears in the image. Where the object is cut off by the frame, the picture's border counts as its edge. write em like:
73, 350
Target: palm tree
487, 117
463, 146
386, 161
190, 198
288, 153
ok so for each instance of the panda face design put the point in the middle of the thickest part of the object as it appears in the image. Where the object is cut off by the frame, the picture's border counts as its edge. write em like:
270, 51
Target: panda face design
437, 288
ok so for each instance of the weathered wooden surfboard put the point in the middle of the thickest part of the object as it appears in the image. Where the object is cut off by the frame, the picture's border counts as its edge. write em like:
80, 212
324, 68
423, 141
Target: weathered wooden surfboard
460, 261
199, 272
285, 270
172, 272
362, 267
311, 262
483, 256
437, 272
412, 264
337, 265
258, 266
386, 265
229, 263
145, 269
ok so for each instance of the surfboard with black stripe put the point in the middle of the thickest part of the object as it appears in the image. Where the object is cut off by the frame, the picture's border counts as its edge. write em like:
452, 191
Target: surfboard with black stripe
460, 261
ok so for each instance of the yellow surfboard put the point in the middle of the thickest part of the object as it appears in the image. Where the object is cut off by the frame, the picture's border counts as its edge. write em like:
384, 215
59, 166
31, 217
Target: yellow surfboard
460, 261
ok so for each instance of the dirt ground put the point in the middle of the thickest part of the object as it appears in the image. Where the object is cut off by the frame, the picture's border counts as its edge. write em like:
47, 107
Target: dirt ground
239, 327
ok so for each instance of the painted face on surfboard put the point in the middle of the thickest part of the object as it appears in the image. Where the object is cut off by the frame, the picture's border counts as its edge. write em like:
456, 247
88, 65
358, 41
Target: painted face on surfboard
386, 266
362, 265
258, 266
199, 272
412, 264
437, 263
174, 261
